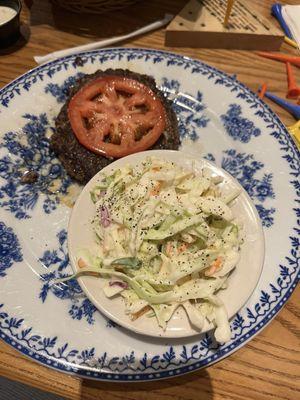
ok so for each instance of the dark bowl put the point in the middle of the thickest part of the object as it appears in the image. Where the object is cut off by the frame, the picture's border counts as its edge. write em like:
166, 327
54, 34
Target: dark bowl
10, 30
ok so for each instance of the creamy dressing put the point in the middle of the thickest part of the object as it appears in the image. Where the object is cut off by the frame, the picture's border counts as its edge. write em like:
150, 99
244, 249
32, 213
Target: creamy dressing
6, 14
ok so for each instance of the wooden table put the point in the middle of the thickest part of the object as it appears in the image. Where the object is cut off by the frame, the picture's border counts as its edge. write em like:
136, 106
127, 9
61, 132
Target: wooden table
266, 368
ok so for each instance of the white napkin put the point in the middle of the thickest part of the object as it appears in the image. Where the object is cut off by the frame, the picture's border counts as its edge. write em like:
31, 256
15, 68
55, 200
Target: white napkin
103, 43
291, 15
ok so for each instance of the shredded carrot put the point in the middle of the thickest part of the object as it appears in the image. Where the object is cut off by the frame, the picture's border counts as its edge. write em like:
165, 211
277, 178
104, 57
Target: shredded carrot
262, 91
215, 266
156, 169
218, 262
182, 247
212, 269
81, 263
155, 191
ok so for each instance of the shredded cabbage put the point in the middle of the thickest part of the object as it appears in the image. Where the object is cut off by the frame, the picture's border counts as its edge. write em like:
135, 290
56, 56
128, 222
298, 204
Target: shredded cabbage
170, 236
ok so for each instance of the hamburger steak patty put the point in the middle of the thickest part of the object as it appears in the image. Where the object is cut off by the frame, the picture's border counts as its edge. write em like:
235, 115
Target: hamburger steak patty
81, 163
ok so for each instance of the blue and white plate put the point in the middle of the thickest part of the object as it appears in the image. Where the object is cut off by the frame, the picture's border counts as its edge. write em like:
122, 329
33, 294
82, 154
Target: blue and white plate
219, 119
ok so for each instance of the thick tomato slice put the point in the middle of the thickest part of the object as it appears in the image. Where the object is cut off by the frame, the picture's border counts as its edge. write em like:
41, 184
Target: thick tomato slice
116, 116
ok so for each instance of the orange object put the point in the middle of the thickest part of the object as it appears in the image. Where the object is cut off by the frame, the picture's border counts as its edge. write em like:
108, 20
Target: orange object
280, 57
182, 247
155, 191
215, 266
115, 116
293, 90
262, 90
81, 263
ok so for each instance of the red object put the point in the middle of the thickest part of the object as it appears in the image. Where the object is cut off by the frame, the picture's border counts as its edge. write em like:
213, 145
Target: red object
116, 116
262, 90
280, 57
293, 90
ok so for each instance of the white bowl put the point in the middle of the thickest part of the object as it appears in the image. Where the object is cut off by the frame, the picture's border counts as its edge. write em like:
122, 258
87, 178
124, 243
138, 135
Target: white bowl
241, 282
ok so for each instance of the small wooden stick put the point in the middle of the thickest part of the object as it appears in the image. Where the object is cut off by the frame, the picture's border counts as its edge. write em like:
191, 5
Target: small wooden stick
228, 12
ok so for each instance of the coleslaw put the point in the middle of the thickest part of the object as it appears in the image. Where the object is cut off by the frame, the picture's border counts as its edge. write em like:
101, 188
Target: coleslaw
166, 238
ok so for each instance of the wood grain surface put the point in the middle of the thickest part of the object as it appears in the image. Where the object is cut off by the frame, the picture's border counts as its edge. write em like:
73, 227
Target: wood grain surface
268, 367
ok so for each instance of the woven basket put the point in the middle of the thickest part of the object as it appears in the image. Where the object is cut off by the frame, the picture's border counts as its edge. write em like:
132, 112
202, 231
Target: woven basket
93, 6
